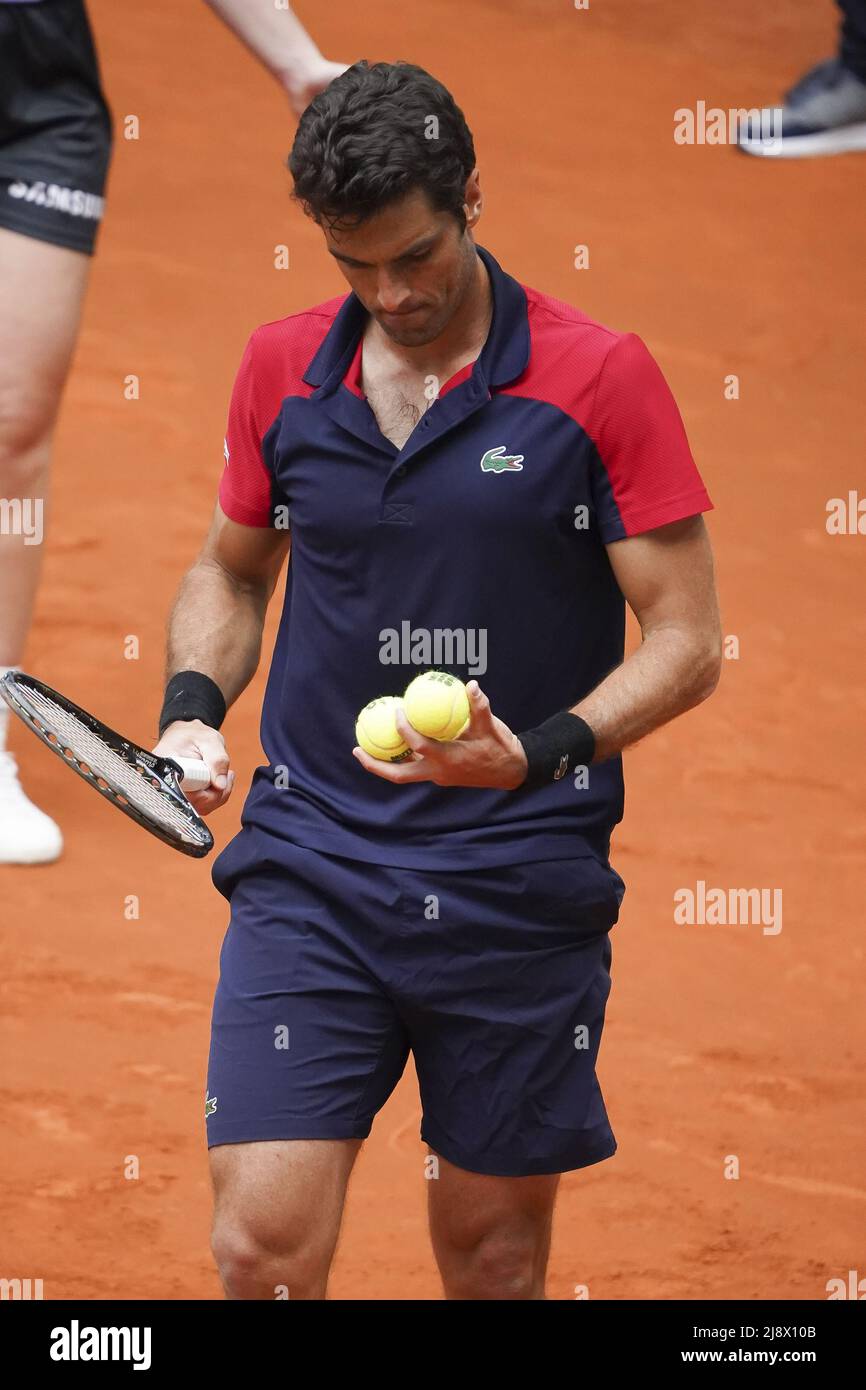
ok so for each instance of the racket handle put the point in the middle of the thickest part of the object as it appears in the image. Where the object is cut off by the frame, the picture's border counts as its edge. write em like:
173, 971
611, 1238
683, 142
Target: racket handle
196, 774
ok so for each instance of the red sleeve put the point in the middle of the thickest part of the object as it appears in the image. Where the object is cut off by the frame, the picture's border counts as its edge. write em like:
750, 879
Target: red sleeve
246, 487
647, 476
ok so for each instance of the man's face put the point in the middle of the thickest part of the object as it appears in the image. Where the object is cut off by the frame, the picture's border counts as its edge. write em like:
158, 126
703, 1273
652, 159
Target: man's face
409, 265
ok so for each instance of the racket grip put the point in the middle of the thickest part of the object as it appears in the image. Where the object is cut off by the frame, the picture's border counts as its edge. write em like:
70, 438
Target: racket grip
196, 774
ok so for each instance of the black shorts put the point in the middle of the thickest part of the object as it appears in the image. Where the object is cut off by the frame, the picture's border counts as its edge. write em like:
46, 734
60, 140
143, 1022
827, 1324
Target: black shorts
55, 125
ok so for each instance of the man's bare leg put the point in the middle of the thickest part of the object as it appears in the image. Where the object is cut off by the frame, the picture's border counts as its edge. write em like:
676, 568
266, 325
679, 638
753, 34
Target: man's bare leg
491, 1236
278, 1208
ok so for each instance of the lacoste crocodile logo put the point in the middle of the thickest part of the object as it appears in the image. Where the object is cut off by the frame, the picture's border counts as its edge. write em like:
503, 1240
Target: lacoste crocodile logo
210, 1104
497, 461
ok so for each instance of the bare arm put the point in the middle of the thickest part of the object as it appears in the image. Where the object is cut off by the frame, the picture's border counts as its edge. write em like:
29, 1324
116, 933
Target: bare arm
666, 577
218, 616
216, 627
279, 40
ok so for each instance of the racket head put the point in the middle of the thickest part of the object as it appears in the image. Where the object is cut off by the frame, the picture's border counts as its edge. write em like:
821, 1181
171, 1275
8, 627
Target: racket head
142, 785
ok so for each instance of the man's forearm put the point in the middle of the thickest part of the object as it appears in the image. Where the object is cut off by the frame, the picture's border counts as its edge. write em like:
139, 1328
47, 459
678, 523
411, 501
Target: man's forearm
216, 627
669, 673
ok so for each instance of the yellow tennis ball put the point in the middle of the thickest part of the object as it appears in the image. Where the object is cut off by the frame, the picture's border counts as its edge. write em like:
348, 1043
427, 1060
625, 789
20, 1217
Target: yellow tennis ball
377, 733
436, 704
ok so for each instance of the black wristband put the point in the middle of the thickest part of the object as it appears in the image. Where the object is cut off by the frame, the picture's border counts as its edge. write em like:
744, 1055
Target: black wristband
192, 695
564, 741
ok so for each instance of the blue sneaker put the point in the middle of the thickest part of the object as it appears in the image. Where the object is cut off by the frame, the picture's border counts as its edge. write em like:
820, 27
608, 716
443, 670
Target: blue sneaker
825, 113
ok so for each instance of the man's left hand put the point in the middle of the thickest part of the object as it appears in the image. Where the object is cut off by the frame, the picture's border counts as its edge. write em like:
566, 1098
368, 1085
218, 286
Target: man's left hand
487, 753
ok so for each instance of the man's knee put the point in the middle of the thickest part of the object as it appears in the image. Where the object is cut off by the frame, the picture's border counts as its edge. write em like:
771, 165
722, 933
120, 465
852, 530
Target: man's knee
295, 1267
501, 1264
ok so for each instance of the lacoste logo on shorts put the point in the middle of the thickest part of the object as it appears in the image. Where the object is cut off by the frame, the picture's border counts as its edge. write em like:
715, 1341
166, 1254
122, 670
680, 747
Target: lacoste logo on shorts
73, 201
210, 1104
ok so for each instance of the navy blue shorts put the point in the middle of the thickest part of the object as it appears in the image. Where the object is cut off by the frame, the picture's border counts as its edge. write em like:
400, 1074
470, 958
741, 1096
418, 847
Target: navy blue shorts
496, 980
55, 125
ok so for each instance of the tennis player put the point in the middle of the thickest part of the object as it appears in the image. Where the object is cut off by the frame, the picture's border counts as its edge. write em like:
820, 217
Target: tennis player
55, 145
473, 474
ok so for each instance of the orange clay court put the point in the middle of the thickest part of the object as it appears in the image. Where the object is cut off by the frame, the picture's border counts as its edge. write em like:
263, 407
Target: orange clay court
720, 1040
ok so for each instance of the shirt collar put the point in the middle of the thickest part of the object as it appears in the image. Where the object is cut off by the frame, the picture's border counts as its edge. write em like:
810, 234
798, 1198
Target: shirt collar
504, 356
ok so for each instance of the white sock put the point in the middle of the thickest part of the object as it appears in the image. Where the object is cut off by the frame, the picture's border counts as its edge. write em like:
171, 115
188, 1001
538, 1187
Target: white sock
5, 711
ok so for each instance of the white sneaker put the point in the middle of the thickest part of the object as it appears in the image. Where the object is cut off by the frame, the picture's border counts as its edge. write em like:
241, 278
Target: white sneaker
27, 835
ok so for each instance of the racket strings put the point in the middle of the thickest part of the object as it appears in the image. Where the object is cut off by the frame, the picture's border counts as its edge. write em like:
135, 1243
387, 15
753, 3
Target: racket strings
94, 758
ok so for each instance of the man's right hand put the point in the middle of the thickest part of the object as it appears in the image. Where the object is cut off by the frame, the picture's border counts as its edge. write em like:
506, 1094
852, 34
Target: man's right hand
190, 738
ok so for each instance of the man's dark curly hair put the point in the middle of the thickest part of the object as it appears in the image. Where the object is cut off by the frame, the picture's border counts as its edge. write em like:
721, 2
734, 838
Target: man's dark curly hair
377, 132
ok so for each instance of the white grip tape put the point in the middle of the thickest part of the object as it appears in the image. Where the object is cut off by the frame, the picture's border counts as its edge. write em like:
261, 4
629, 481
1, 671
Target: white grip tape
196, 774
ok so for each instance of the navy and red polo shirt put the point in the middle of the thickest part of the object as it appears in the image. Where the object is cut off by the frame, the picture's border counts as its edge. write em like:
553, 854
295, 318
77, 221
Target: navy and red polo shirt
478, 547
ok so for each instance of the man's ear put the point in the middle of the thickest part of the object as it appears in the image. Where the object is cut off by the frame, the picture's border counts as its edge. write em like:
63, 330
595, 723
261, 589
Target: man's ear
472, 200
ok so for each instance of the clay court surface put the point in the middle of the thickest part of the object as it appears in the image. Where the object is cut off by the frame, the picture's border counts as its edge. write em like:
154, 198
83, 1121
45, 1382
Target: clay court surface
720, 1040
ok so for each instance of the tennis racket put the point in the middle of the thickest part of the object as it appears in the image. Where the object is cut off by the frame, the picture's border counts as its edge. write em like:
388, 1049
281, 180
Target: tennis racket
143, 785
